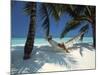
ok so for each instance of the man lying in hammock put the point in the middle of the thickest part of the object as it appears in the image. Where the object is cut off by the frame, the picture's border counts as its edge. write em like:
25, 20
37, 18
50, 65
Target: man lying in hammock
65, 45
57, 45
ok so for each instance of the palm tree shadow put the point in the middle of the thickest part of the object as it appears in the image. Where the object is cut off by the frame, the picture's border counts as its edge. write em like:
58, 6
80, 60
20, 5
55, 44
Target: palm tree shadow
40, 56
49, 55
19, 66
81, 46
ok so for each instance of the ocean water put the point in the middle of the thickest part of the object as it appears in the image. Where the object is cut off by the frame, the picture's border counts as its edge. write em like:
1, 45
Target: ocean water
42, 41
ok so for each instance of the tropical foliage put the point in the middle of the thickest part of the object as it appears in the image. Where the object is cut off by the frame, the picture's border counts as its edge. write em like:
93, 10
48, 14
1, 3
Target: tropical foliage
46, 10
84, 14
79, 14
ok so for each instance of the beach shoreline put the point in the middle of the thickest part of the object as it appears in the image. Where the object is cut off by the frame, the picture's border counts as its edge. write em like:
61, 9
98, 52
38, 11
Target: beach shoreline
47, 59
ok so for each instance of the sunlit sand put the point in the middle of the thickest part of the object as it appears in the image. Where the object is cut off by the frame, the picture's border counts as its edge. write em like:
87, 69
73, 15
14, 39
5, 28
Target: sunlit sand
47, 59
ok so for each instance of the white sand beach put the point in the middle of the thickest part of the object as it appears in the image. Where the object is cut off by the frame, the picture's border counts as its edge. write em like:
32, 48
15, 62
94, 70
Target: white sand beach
46, 59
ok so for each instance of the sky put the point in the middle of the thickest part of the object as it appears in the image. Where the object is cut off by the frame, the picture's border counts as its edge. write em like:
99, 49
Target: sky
20, 23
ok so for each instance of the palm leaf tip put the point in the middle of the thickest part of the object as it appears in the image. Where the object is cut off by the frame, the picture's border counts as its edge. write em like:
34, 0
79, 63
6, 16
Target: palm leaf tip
45, 18
54, 11
73, 24
29, 6
81, 38
63, 34
84, 29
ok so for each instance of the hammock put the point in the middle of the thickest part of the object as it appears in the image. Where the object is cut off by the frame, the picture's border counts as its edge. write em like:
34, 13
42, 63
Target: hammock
67, 44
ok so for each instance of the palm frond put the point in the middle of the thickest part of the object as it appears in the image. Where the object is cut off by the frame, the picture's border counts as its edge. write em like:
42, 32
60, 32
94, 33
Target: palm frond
73, 24
48, 10
30, 6
73, 10
70, 9
93, 10
53, 10
79, 9
45, 19
84, 29
88, 10
84, 18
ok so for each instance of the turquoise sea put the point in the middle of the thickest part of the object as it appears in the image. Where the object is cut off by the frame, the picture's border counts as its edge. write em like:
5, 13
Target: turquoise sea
41, 41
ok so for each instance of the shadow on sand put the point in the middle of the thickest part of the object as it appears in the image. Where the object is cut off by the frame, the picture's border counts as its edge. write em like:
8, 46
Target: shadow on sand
40, 56
81, 46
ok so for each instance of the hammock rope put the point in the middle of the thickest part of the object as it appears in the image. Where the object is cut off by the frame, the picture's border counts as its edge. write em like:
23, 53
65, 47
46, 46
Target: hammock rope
67, 44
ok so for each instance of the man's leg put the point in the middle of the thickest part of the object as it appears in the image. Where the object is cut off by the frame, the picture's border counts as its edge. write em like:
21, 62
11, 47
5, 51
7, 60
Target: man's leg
67, 51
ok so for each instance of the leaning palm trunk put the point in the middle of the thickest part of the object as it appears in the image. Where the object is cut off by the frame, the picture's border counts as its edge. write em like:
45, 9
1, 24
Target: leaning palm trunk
94, 35
30, 38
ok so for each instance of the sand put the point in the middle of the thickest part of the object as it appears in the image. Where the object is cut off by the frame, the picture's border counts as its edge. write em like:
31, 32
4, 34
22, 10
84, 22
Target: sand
47, 59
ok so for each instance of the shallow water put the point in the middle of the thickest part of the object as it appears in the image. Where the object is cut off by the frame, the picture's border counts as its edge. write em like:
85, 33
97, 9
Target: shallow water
42, 41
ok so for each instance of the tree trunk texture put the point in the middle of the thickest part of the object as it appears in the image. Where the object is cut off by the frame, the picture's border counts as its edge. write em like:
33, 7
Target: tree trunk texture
31, 36
94, 35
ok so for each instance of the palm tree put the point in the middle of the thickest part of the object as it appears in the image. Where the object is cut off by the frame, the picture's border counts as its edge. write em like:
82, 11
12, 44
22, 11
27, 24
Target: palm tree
87, 14
46, 10
30, 8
